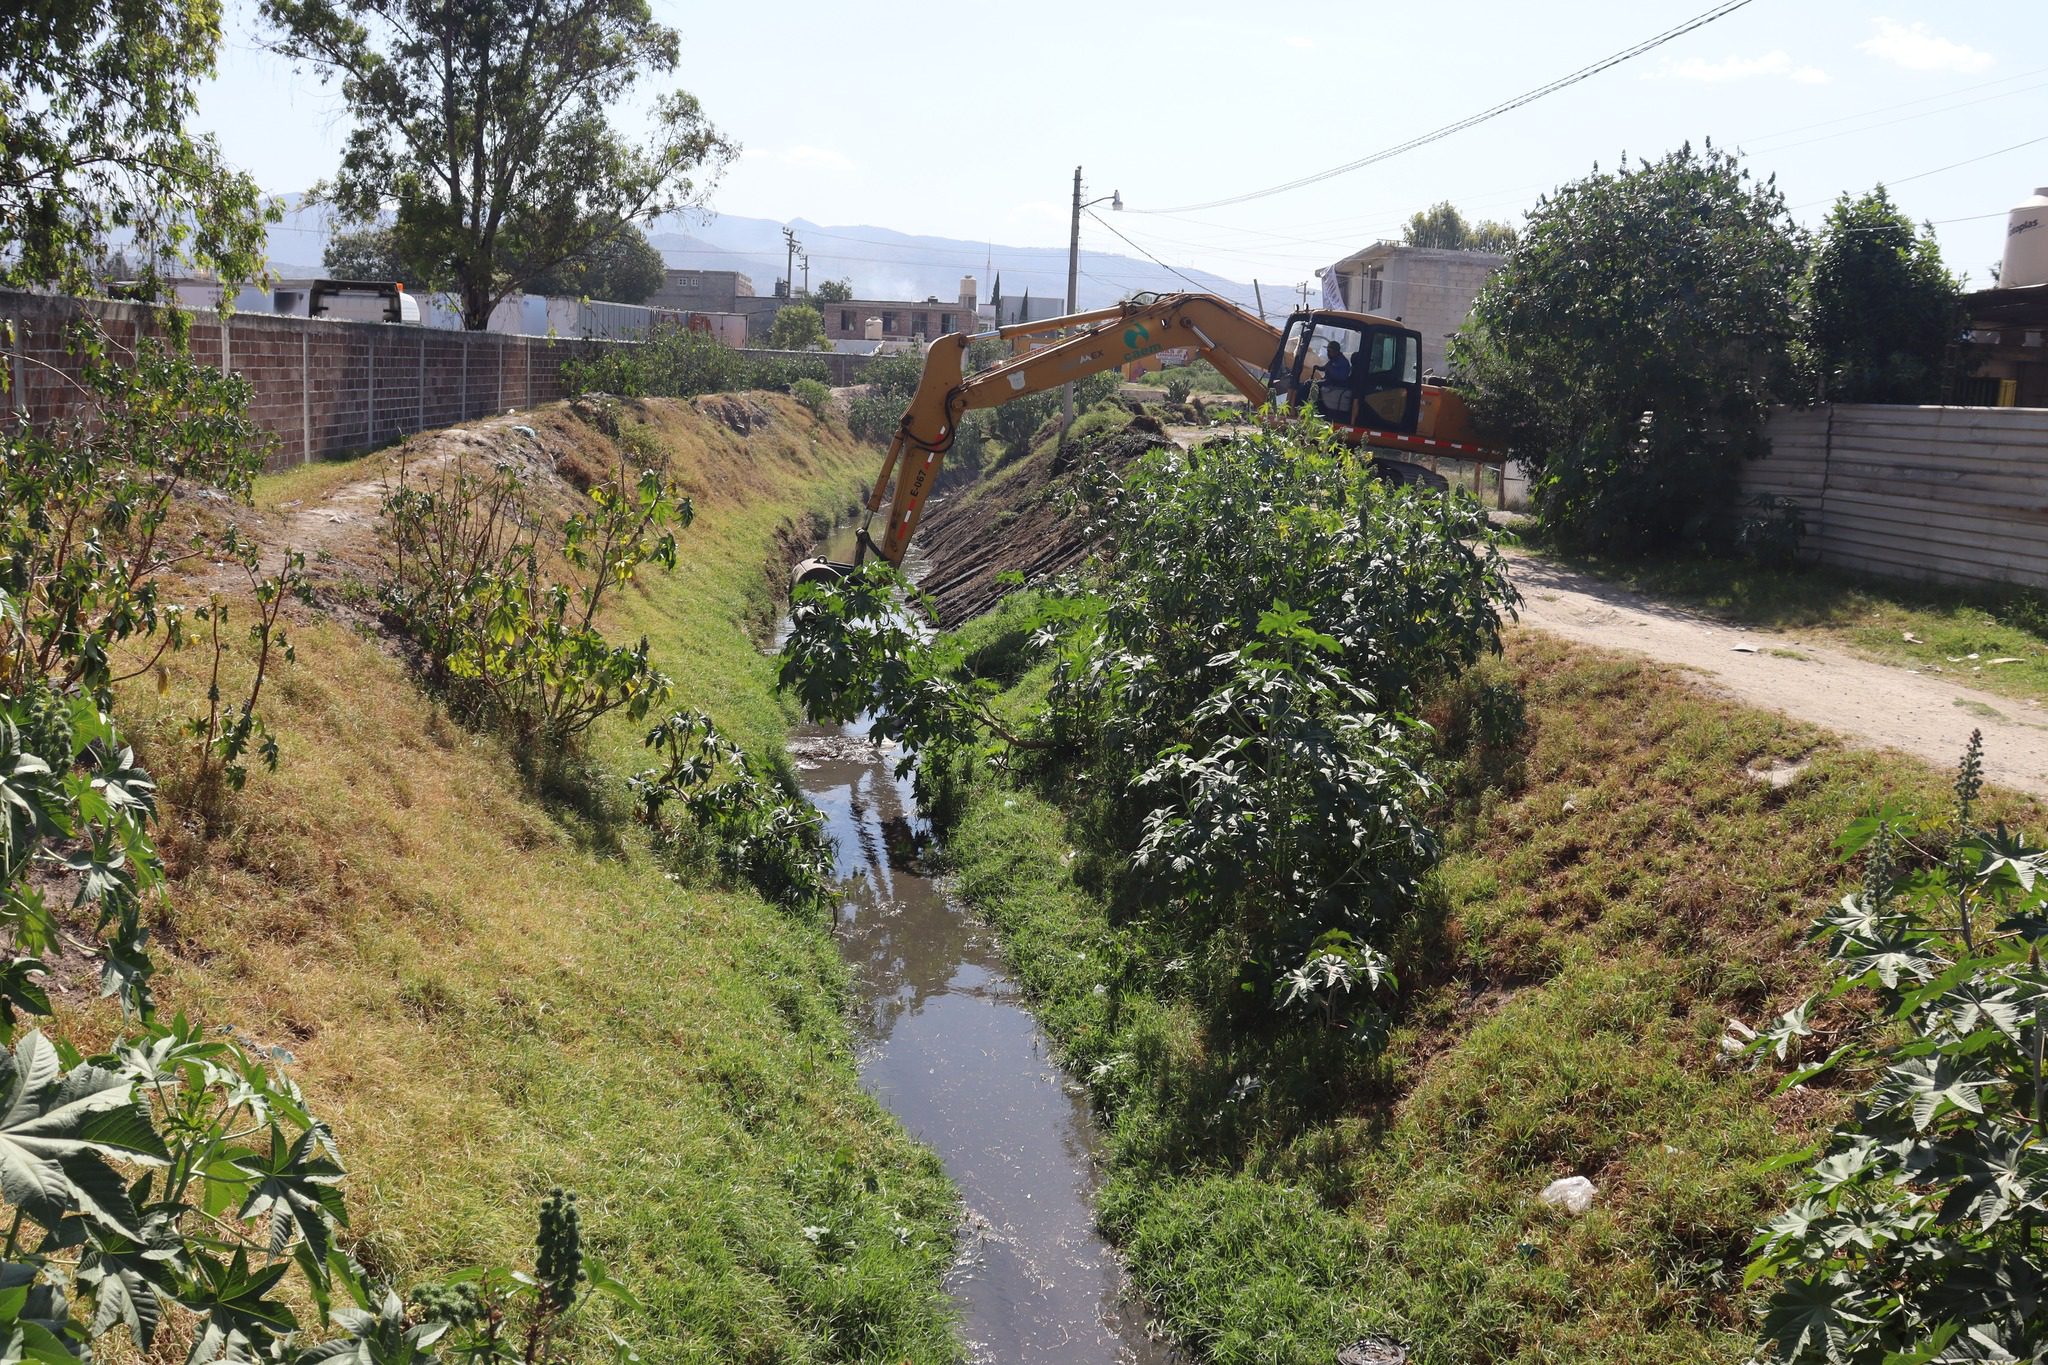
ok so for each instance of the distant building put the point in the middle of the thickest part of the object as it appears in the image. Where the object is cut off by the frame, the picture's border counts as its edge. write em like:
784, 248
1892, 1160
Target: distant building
899, 319
703, 291
1428, 289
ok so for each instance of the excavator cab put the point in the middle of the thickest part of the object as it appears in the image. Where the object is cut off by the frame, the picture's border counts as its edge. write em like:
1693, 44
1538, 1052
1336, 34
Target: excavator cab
1353, 369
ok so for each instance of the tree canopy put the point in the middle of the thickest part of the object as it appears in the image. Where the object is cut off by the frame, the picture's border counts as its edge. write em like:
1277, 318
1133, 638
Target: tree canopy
1877, 306
1629, 349
1441, 226
368, 253
833, 291
625, 268
798, 327
488, 126
94, 96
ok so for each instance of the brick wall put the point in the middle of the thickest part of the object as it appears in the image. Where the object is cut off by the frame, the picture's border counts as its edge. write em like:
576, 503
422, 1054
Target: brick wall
322, 389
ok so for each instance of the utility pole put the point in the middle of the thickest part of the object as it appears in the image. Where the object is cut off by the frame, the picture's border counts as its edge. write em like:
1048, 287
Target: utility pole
1302, 288
1073, 298
1116, 201
806, 258
1260, 299
789, 267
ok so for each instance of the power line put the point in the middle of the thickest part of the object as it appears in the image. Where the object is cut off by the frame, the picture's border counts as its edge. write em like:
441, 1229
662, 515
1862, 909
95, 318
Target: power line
1922, 175
1528, 97
1141, 250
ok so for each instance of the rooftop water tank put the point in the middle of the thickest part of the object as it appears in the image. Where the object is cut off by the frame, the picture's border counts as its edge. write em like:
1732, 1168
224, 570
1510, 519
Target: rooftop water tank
2026, 243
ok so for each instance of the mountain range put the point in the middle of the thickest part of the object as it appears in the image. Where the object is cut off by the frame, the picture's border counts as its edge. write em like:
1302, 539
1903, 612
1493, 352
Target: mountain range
881, 263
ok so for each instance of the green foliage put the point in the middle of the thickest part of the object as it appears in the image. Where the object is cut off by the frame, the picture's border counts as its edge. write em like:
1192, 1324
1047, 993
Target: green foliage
673, 361
623, 268
765, 834
854, 649
1236, 688
833, 291
1877, 308
1919, 1233
86, 513
813, 394
229, 732
874, 418
1770, 530
472, 584
798, 327
782, 375
1441, 226
98, 94
1179, 387
894, 376
370, 252
503, 160
1629, 349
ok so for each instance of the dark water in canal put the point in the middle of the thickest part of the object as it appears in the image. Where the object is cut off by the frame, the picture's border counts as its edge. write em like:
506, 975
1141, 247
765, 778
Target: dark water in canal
947, 1043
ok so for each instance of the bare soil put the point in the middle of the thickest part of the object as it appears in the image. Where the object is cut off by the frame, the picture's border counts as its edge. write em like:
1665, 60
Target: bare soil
1876, 704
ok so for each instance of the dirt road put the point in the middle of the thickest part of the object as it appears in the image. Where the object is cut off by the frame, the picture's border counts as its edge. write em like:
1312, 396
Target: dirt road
1882, 705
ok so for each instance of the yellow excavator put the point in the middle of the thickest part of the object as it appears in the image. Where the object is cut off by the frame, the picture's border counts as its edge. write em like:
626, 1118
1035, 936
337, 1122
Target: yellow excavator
1361, 373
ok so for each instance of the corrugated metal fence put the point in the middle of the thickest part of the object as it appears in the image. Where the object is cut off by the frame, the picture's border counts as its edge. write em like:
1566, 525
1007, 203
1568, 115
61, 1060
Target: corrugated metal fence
1954, 494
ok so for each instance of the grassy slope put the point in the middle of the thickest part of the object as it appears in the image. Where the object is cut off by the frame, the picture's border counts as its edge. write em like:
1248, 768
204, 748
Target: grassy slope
490, 994
1871, 616
1604, 907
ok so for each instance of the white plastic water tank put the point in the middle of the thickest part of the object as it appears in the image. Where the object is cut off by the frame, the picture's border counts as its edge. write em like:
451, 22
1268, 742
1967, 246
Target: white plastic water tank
2026, 243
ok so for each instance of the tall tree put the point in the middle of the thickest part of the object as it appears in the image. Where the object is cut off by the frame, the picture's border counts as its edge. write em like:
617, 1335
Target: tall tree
1442, 227
833, 291
625, 268
94, 95
1877, 307
1629, 350
486, 124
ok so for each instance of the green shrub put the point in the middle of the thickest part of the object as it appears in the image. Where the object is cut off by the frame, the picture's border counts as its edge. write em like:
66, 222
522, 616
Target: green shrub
1921, 1233
1179, 387
469, 582
782, 375
813, 394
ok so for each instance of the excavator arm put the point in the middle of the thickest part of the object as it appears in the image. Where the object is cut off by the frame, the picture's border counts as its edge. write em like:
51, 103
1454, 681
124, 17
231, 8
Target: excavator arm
1238, 344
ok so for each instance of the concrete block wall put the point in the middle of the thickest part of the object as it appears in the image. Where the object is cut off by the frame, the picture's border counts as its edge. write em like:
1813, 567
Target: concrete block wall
321, 389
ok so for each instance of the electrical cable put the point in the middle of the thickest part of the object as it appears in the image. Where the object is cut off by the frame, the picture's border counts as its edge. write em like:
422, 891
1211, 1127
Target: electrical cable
1146, 254
1698, 21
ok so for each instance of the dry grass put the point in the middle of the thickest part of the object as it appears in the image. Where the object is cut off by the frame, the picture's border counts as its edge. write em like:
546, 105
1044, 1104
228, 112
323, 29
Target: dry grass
492, 989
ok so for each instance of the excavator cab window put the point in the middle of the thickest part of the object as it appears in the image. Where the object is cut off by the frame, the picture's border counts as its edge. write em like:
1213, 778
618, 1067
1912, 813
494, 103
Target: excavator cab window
1376, 383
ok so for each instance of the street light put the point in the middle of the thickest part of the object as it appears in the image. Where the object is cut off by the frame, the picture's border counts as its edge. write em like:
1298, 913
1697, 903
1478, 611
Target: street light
1116, 201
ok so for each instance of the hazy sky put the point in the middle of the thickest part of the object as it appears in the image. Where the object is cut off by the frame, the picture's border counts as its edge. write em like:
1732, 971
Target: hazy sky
966, 120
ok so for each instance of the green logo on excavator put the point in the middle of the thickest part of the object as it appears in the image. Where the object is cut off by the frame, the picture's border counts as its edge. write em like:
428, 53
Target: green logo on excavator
1135, 336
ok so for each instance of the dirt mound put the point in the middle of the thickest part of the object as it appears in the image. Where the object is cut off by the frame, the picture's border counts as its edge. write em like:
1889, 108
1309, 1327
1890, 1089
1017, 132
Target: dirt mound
1020, 520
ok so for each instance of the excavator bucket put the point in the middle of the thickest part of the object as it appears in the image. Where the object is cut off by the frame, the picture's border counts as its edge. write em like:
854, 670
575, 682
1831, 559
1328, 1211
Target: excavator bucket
818, 570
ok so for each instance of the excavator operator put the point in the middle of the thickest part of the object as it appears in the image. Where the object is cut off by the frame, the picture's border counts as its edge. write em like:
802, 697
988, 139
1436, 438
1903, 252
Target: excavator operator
1336, 380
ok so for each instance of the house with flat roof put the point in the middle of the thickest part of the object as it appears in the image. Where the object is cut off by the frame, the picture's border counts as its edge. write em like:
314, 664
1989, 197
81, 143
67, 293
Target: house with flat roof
1425, 288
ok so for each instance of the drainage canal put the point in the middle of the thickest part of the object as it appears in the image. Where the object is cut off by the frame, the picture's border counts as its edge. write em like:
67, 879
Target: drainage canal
949, 1046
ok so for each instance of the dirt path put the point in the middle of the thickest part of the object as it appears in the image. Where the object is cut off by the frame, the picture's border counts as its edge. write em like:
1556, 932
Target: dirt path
1881, 705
